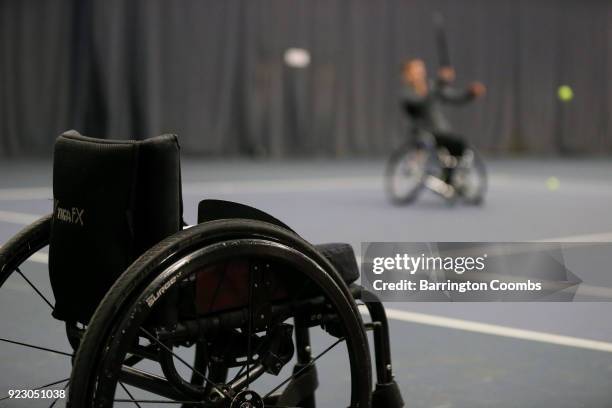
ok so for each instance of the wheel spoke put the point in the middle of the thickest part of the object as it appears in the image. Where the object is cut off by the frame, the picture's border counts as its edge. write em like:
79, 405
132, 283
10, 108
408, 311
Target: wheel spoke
36, 347
58, 398
243, 367
310, 363
129, 394
35, 288
169, 350
297, 295
42, 387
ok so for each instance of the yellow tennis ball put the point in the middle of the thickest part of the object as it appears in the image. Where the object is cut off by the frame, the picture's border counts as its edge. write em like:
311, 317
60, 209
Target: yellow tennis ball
553, 183
565, 93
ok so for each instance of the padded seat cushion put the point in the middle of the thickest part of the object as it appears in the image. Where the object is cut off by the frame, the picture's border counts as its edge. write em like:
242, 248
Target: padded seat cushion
113, 200
342, 257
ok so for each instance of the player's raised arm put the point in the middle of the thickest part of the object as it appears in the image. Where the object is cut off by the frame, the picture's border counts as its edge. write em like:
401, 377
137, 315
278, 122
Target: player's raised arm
450, 94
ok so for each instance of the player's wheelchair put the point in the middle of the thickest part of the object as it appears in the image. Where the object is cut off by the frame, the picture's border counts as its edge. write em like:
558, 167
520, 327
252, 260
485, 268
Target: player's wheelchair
214, 315
440, 162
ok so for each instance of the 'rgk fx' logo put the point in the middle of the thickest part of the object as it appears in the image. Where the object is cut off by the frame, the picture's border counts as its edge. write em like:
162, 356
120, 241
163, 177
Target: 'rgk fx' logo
72, 215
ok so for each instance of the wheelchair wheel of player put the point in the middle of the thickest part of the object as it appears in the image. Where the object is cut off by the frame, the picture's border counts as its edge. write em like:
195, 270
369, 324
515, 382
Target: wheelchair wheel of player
470, 177
35, 366
405, 173
232, 286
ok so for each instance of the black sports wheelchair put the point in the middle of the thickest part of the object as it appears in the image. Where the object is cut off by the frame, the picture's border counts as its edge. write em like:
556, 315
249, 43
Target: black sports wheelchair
440, 162
218, 314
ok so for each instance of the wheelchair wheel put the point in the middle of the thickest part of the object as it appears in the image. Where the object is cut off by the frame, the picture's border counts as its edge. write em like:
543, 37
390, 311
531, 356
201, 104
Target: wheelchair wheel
470, 177
405, 173
40, 364
241, 289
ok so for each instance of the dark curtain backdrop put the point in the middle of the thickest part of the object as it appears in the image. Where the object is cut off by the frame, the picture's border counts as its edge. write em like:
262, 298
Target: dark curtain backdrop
213, 72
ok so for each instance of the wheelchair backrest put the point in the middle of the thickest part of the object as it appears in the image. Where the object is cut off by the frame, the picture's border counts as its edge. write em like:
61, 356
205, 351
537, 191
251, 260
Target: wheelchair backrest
113, 200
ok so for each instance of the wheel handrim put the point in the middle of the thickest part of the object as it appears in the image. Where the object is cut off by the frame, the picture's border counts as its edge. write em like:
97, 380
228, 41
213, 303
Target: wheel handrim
138, 313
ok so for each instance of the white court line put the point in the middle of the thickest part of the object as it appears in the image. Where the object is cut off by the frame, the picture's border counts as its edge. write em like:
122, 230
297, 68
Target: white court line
465, 325
477, 327
428, 319
374, 183
497, 330
232, 187
283, 185
597, 237
326, 184
34, 193
18, 218
40, 257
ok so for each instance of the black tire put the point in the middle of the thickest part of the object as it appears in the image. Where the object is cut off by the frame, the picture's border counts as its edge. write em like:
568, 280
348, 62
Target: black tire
407, 165
470, 177
23, 245
13, 255
117, 310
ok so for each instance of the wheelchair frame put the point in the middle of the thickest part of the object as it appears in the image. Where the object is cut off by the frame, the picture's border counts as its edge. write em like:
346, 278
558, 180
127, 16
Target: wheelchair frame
152, 277
437, 171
